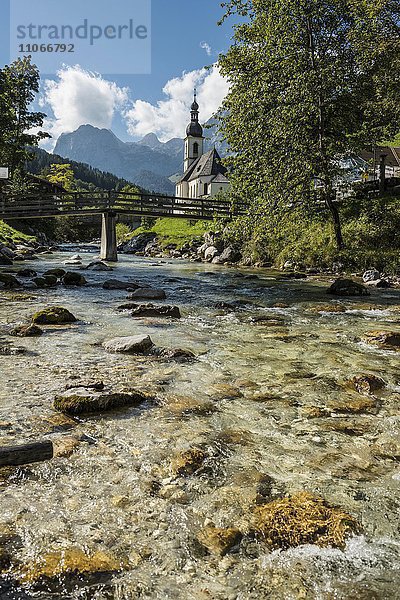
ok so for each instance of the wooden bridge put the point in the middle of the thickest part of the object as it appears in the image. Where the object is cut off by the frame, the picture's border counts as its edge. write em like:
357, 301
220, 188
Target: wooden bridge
111, 204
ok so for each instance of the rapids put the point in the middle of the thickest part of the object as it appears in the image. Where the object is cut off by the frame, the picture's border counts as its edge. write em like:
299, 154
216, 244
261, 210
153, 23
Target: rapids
272, 389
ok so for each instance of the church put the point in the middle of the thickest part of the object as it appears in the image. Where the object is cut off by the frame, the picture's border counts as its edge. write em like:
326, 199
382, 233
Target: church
204, 174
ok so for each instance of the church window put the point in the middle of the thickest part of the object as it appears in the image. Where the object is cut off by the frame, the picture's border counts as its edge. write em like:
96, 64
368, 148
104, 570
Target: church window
205, 189
195, 149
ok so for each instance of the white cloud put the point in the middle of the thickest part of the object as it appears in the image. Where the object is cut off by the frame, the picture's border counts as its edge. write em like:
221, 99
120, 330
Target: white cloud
206, 47
79, 97
169, 117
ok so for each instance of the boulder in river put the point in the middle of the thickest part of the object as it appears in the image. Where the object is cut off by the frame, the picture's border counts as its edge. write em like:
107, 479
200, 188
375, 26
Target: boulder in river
303, 518
26, 331
148, 294
53, 315
78, 401
59, 273
115, 284
389, 340
45, 281
9, 281
218, 540
98, 265
73, 279
5, 261
347, 287
136, 344
151, 310
27, 273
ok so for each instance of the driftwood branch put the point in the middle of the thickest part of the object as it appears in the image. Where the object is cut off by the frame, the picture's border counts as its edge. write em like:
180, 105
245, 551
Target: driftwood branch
25, 454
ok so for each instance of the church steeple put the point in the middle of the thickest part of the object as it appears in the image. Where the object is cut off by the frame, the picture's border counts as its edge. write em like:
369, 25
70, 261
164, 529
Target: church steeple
194, 128
194, 135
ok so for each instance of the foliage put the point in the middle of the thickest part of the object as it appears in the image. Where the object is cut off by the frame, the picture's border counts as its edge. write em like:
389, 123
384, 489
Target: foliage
60, 174
176, 231
370, 230
19, 83
310, 81
124, 232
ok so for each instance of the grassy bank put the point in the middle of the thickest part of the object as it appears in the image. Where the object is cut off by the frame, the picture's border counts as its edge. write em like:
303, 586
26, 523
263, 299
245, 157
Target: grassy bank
9, 234
175, 231
371, 231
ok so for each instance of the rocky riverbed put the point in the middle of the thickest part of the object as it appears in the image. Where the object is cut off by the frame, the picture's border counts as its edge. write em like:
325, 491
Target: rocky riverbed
236, 437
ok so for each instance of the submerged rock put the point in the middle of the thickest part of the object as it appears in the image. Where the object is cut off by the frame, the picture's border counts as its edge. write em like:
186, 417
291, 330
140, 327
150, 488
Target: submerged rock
188, 462
74, 279
328, 308
185, 405
219, 540
26, 331
347, 287
79, 401
69, 562
303, 518
54, 315
137, 344
177, 354
384, 339
151, 310
366, 384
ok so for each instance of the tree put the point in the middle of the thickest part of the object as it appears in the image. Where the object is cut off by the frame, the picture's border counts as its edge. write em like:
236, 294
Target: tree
310, 80
19, 126
60, 174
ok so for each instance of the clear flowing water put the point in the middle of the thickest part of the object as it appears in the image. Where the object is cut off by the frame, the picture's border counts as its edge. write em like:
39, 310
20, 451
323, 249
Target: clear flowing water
263, 397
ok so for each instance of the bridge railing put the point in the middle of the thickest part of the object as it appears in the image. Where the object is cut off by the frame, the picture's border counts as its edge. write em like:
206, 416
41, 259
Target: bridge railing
81, 203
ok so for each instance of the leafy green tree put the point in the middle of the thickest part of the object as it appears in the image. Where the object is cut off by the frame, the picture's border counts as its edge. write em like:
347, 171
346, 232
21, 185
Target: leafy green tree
311, 80
61, 174
19, 125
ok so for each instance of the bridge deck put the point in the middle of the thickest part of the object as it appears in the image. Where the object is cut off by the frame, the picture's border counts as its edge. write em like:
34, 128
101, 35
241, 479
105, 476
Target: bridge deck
79, 204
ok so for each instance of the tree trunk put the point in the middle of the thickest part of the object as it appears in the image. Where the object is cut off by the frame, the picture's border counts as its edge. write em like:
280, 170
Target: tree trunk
336, 219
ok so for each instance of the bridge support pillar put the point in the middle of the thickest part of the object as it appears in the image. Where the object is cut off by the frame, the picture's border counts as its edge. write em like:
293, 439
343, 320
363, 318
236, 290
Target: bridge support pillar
109, 237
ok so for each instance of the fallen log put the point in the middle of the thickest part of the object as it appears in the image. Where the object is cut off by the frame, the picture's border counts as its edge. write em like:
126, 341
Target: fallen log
13, 456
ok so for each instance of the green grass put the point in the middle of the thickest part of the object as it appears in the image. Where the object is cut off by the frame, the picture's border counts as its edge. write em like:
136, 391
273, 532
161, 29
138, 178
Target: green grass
8, 233
176, 231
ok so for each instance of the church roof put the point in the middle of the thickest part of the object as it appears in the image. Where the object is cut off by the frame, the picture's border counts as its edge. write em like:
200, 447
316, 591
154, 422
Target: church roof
208, 164
220, 178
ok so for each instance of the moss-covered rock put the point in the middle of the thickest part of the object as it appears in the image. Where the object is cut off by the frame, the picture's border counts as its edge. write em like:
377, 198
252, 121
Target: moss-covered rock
389, 340
79, 401
69, 562
303, 519
188, 462
26, 331
366, 384
219, 540
54, 315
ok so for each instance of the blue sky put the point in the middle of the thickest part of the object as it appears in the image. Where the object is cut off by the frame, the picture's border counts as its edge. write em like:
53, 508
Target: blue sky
179, 29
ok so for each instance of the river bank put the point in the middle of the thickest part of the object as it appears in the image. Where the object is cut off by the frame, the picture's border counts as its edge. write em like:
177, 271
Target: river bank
266, 402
